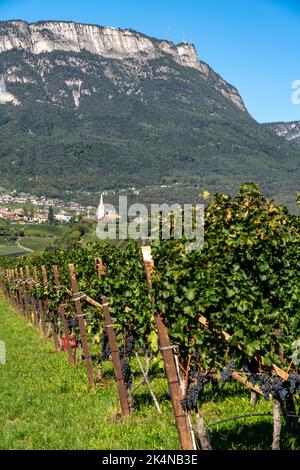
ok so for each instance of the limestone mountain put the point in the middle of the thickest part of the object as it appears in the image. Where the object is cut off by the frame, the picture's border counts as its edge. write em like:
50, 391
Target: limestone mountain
288, 130
108, 43
89, 108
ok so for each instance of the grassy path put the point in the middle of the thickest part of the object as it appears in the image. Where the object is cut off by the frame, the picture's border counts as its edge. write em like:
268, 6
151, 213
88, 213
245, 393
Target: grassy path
24, 248
44, 404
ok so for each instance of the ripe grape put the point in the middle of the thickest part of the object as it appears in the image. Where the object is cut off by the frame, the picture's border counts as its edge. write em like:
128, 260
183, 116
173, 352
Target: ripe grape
294, 383
126, 372
190, 402
227, 373
252, 379
105, 349
199, 380
128, 346
279, 392
265, 385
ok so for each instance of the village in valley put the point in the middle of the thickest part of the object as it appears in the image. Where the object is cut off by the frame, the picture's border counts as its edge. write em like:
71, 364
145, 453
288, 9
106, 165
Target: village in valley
23, 208
31, 224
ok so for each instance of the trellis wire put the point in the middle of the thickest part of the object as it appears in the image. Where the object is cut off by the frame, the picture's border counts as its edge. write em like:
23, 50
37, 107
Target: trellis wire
249, 415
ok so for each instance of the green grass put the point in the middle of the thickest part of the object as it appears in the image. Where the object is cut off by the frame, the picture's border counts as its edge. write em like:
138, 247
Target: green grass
254, 433
44, 230
13, 250
45, 404
38, 237
37, 244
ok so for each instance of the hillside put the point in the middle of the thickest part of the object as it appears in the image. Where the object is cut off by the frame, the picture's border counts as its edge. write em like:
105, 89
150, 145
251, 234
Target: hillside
87, 108
289, 130
9, 233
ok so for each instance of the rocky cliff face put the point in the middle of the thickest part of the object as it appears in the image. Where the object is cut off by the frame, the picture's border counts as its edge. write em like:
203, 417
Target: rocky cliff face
108, 43
87, 108
288, 130
6, 97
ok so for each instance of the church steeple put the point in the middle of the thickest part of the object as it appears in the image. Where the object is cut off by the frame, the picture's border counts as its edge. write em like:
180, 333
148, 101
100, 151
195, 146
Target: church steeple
101, 209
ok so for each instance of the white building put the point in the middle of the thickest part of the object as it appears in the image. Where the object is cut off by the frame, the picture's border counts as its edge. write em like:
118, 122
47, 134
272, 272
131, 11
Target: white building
62, 217
101, 209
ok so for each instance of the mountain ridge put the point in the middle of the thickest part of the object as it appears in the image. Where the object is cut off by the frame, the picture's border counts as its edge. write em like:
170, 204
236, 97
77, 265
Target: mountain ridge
76, 120
46, 37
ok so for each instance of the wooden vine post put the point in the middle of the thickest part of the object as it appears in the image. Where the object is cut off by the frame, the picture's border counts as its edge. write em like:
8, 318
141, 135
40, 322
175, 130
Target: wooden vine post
276, 425
169, 361
14, 297
52, 319
11, 297
33, 301
6, 292
115, 355
40, 303
8, 295
99, 267
63, 318
13, 280
25, 298
3, 280
81, 323
19, 295
113, 346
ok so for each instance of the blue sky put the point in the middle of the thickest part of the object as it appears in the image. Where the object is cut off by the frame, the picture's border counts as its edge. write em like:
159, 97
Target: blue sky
253, 44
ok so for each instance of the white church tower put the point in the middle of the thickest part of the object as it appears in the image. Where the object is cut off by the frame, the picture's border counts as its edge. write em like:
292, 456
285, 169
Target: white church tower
101, 209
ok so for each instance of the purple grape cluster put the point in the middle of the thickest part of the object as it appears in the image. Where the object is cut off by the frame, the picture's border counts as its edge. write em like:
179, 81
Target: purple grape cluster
227, 373
190, 401
279, 391
105, 349
195, 364
274, 386
128, 346
294, 383
264, 382
126, 372
72, 323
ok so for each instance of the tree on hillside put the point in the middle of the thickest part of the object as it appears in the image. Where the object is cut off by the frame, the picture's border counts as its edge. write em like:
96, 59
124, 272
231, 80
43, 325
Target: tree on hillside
50, 216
